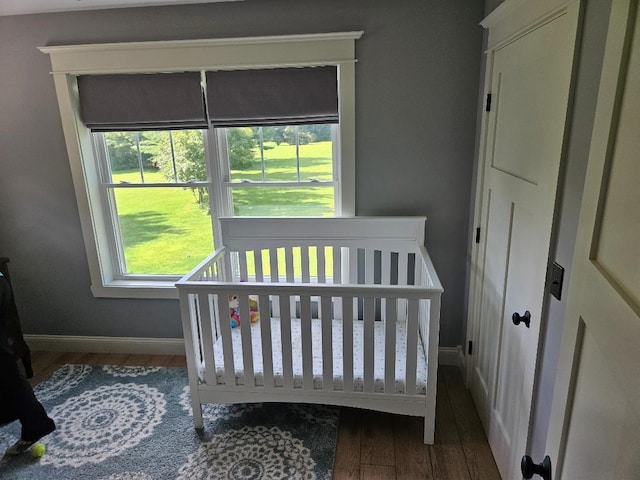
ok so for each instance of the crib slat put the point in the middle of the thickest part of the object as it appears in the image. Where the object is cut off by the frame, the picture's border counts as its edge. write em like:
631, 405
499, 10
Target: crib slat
337, 265
353, 265
257, 259
304, 263
347, 343
403, 260
288, 256
391, 317
242, 257
385, 267
273, 261
207, 338
320, 257
412, 347
267, 347
402, 280
369, 343
418, 274
307, 346
285, 335
327, 343
247, 347
369, 266
385, 278
227, 346
227, 270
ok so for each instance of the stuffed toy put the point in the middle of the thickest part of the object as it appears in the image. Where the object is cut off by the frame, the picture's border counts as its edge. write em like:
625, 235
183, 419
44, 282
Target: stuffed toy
234, 310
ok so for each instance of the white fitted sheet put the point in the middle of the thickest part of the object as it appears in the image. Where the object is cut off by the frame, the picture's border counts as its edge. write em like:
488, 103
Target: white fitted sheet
337, 337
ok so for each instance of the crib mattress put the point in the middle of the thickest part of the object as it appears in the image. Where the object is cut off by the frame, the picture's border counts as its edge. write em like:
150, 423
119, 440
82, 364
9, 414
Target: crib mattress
337, 336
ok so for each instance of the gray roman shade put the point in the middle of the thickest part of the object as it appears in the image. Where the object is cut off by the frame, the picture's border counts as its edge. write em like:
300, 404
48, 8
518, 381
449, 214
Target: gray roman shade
279, 96
142, 101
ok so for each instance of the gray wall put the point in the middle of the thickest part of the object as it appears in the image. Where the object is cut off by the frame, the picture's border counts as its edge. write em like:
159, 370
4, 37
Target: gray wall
417, 84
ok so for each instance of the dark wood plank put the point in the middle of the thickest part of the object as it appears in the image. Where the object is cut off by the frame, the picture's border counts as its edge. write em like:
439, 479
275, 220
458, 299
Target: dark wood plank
347, 462
41, 359
44, 364
377, 472
116, 358
99, 359
376, 442
74, 357
158, 361
447, 456
177, 361
413, 460
479, 458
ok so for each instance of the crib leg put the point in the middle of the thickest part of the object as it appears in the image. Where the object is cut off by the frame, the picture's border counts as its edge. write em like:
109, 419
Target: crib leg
429, 430
197, 415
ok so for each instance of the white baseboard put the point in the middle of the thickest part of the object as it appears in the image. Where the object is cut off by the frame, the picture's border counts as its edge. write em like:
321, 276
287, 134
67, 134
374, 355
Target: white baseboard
131, 345
160, 346
451, 356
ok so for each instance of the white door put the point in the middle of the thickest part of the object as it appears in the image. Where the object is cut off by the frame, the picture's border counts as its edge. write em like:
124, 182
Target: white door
530, 85
595, 420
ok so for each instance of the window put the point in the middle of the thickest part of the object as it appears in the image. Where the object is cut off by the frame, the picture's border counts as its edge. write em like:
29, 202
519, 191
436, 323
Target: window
150, 194
158, 194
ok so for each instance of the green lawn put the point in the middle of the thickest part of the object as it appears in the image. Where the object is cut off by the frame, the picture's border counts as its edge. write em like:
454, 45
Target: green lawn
165, 231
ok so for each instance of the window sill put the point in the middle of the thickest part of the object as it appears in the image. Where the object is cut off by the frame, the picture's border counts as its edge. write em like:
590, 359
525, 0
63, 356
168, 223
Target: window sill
154, 289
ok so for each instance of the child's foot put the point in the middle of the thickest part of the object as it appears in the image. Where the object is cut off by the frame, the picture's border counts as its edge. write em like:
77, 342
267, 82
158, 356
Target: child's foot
19, 447
22, 445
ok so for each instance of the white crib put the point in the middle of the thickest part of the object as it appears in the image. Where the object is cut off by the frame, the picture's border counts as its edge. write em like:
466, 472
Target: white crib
349, 315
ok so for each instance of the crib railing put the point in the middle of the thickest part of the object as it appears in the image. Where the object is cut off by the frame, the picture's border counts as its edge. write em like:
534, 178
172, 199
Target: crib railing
367, 301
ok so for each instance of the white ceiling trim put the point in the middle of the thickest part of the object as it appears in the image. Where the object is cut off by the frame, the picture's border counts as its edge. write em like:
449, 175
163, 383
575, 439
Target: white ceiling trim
23, 7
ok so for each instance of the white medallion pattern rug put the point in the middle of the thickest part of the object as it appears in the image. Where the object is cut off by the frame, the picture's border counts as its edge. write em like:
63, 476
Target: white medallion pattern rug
134, 423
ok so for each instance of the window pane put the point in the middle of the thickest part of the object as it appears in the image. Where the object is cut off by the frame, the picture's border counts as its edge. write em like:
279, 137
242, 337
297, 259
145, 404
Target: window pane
288, 154
280, 163
243, 145
156, 156
314, 164
283, 201
316, 158
280, 155
164, 230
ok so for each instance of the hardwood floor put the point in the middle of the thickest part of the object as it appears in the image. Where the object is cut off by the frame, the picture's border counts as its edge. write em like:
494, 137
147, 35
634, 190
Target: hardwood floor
371, 445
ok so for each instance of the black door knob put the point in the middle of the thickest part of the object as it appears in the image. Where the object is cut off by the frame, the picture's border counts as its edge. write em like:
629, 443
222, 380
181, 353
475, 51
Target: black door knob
529, 469
526, 318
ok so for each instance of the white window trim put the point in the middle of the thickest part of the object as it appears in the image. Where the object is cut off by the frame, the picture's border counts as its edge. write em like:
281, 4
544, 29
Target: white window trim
67, 61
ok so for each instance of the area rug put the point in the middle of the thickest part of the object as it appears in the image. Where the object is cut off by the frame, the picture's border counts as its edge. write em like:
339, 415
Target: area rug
120, 423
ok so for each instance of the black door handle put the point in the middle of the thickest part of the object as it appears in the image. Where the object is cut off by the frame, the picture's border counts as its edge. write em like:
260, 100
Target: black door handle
529, 469
526, 318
